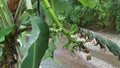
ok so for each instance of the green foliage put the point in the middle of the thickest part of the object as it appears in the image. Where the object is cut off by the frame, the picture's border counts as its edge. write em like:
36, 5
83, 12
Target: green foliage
5, 31
51, 49
118, 26
103, 12
82, 15
117, 15
38, 46
5, 14
74, 12
89, 3
73, 29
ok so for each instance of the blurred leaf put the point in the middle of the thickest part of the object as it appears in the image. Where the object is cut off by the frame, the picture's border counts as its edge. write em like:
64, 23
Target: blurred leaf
112, 46
5, 13
25, 19
28, 4
37, 48
88, 3
99, 39
67, 44
24, 43
5, 31
50, 50
52, 45
2, 39
35, 30
1, 52
73, 29
48, 54
61, 7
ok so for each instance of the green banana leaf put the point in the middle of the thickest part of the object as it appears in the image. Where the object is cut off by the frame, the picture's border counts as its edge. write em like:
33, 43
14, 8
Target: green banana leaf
5, 31
38, 43
50, 51
5, 14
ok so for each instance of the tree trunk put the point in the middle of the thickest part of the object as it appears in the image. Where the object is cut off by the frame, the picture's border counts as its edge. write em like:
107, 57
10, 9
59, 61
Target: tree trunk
9, 53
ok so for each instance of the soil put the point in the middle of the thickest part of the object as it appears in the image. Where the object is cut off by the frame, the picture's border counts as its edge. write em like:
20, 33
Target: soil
100, 58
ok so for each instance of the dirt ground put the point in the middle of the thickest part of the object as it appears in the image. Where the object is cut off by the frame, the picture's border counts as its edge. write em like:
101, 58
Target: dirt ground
100, 58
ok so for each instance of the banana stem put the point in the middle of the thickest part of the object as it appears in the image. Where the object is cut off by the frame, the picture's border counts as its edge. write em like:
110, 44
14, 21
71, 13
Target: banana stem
18, 12
59, 25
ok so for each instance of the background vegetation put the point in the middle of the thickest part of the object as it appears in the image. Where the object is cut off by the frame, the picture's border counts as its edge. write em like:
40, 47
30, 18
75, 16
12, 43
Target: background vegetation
103, 13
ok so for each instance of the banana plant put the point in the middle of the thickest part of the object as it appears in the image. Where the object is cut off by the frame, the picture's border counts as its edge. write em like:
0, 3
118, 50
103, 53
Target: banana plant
11, 15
